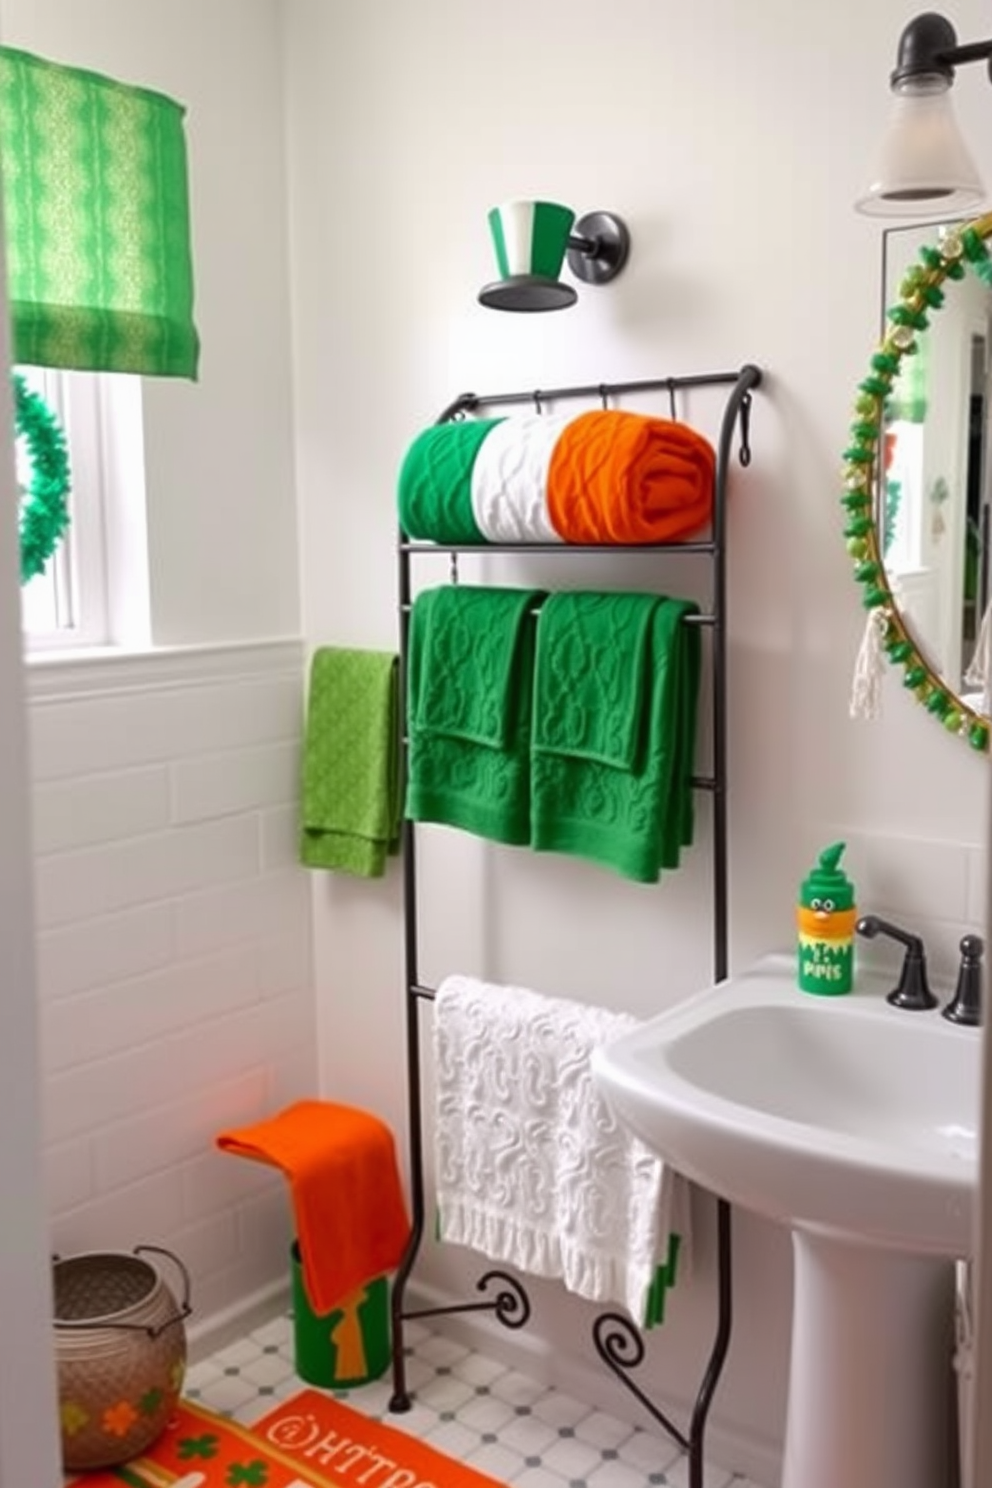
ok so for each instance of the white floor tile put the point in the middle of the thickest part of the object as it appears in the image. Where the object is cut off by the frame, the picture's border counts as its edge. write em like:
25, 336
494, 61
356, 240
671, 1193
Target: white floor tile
496, 1460
454, 1439
648, 1452
528, 1435
559, 1409
446, 1393
517, 1389
267, 1369
615, 1474
278, 1331
603, 1430
229, 1394
538, 1477
571, 1458
487, 1413
501, 1421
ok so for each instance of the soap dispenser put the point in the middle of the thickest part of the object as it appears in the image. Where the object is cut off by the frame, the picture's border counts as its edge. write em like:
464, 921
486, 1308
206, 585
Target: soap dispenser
825, 919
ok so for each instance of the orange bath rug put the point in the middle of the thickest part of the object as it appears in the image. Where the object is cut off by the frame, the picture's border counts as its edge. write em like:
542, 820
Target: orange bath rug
321, 1434
309, 1441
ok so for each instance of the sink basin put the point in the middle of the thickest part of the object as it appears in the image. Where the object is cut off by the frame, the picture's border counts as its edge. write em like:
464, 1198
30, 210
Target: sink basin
856, 1124
842, 1113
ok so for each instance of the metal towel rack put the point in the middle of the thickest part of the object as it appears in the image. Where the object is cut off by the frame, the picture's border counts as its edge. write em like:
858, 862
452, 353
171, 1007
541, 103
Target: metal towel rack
617, 1341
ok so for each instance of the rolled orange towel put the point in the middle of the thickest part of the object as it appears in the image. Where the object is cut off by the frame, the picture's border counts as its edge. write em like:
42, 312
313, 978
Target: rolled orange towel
351, 1221
620, 477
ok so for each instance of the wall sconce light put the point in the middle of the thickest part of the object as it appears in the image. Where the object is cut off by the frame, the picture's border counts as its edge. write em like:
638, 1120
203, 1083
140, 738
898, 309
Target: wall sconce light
924, 164
533, 239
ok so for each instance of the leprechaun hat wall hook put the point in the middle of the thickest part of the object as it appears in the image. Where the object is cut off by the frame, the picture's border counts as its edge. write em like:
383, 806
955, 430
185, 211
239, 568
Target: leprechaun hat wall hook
533, 239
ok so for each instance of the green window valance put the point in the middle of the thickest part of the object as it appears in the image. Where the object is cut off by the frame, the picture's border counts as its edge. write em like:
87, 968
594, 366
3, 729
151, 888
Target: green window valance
96, 210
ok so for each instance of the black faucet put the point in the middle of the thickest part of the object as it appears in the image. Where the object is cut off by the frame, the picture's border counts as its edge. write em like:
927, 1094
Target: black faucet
966, 1005
913, 991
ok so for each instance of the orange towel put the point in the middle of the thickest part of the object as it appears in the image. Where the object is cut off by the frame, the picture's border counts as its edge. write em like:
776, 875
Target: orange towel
351, 1221
619, 477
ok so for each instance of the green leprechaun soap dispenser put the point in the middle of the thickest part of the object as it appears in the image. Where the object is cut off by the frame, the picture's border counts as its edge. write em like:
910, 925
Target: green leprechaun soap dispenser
825, 918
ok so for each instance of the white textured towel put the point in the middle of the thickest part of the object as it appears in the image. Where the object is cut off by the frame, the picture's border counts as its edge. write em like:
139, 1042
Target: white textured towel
533, 1169
510, 479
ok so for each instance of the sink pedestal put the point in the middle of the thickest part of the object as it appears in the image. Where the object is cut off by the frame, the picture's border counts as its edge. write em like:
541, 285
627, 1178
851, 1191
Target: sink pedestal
871, 1401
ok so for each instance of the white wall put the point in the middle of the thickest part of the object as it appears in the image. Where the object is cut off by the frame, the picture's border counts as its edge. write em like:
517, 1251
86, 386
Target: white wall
732, 139
221, 515
173, 955
173, 922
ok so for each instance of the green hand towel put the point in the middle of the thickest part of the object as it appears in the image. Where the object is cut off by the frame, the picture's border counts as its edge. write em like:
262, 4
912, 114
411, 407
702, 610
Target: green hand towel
633, 817
591, 674
471, 658
435, 485
351, 790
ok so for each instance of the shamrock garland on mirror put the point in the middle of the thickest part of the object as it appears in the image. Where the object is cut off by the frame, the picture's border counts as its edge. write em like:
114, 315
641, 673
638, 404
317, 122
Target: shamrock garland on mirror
44, 504
919, 293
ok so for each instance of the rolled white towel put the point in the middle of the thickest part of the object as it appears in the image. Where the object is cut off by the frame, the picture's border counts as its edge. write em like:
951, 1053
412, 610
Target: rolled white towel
533, 1169
510, 479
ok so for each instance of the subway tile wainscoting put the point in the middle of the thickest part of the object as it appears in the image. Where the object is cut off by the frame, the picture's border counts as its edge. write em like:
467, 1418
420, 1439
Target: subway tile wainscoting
499, 1420
174, 974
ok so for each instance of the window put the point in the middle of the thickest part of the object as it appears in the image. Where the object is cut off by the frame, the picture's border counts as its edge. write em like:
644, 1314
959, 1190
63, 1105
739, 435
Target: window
94, 591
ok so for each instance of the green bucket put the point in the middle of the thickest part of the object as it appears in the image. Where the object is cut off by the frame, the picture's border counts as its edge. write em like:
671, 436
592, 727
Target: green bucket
346, 1347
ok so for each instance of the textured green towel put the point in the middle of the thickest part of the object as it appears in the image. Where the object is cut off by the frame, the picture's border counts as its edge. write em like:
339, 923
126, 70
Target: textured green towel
352, 793
471, 661
435, 485
591, 673
636, 813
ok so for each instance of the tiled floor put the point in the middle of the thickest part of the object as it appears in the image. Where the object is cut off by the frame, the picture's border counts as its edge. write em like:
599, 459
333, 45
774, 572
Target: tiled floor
468, 1406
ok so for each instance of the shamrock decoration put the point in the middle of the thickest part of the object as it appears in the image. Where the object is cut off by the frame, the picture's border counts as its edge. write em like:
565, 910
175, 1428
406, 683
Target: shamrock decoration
205, 1446
247, 1475
150, 1402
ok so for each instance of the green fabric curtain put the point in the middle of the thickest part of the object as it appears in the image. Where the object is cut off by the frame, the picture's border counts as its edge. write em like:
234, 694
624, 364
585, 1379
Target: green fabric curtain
96, 208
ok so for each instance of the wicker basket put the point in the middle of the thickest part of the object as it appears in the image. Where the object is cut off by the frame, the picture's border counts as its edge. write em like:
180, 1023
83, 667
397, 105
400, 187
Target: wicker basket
120, 1348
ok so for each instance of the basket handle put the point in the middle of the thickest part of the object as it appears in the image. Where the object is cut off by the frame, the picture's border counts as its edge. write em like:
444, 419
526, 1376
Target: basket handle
150, 1332
184, 1307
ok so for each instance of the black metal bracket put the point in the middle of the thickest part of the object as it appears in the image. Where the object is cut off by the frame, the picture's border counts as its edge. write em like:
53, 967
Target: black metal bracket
929, 44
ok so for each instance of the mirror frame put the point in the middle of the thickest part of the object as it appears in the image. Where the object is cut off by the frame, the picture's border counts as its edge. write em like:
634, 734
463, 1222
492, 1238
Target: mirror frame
920, 294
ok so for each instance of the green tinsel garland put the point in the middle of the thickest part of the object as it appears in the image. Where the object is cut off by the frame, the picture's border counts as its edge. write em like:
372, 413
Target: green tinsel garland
44, 512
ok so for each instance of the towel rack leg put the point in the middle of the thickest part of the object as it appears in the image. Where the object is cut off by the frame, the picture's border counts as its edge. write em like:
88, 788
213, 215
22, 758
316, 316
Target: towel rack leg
620, 1345
510, 1304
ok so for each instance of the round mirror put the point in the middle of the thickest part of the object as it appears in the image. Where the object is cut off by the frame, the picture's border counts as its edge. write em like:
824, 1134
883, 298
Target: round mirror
917, 470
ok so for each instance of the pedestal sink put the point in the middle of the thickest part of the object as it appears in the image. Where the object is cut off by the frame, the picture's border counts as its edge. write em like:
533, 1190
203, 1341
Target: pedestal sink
855, 1123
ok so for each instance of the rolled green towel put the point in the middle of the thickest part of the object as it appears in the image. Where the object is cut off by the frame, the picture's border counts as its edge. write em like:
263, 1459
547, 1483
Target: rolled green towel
435, 484
617, 678
351, 798
471, 659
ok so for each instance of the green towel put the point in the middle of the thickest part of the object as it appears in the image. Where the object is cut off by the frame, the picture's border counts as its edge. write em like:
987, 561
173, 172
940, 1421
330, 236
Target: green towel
591, 707
471, 660
351, 794
591, 795
435, 484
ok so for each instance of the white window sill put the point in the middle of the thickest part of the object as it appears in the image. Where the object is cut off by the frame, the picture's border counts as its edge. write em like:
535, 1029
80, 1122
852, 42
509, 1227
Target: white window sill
74, 672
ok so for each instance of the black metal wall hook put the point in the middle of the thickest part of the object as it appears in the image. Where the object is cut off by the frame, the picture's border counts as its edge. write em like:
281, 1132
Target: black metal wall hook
745, 454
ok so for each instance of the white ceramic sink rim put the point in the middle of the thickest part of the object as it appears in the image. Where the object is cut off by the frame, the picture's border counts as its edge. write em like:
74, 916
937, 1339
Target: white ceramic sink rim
893, 1160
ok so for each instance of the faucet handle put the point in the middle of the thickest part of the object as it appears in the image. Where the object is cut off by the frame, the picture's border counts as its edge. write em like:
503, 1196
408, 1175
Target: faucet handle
913, 989
966, 1005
